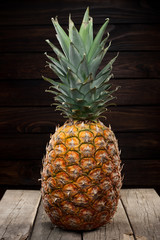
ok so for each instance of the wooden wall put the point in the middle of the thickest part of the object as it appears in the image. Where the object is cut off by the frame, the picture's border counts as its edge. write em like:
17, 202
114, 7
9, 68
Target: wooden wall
26, 118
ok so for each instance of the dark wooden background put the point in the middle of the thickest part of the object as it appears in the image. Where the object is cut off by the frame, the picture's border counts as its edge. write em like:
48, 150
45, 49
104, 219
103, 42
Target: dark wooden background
26, 118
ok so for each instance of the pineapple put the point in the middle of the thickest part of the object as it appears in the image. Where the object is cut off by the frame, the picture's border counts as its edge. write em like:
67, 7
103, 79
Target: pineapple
81, 176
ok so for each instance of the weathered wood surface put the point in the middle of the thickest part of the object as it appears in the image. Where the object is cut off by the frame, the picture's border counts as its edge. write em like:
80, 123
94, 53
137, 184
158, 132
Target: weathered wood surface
124, 37
118, 229
44, 229
18, 209
122, 11
142, 207
137, 218
14, 93
32, 65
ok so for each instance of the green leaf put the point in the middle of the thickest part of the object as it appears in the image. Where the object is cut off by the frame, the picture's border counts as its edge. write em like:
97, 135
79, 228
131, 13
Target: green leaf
89, 96
51, 91
74, 55
54, 61
55, 49
65, 110
95, 63
86, 30
99, 47
104, 83
86, 16
80, 93
62, 37
81, 101
104, 41
107, 67
101, 79
76, 38
57, 71
90, 30
73, 79
66, 64
82, 71
75, 93
97, 39
61, 87
86, 85
50, 80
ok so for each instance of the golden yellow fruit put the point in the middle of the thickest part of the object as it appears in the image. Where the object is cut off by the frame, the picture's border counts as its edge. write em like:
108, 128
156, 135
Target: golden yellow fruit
81, 176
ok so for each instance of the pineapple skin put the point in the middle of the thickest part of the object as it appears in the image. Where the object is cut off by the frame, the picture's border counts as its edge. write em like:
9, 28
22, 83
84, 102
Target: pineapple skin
81, 176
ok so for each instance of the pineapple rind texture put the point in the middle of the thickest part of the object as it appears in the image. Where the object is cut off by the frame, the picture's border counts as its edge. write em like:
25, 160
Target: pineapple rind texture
81, 176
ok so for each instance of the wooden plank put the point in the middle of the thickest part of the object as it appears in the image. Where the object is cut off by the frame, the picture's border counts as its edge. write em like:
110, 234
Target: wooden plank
15, 93
20, 172
45, 230
17, 213
137, 91
141, 172
132, 92
26, 173
118, 229
124, 37
32, 65
143, 210
134, 37
118, 10
136, 145
44, 119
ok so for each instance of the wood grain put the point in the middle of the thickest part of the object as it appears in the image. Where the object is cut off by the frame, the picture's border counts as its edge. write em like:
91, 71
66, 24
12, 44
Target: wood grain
44, 229
44, 120
124, 37
20, 172
118, 229
32, 146
137, 218
22, 93
26, 117
143, 210
22, 13
27, 172
32, 66
18, 210
141, 172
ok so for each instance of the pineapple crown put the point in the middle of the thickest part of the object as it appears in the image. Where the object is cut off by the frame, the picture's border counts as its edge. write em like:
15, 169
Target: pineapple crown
81, 93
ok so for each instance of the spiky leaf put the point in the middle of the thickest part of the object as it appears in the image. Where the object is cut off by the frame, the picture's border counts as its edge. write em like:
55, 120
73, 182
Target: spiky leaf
83, 92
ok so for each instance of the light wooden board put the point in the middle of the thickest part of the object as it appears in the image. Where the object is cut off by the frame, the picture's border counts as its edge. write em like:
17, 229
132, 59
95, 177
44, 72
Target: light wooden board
17, 213
45, 230
118, 229
137, 218
143, 210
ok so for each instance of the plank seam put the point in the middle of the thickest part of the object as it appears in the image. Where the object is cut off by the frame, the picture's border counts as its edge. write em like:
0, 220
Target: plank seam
128, 219
81, 235
113, 22
50, 52
109, 110
31, 230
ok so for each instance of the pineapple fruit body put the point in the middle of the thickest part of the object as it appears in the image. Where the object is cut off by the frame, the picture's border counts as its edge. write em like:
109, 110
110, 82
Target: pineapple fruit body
81, 176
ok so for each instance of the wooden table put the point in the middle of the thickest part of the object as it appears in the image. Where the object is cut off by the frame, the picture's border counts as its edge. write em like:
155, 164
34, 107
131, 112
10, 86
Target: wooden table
22, 217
